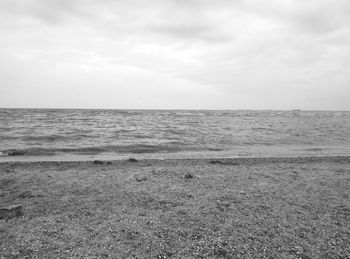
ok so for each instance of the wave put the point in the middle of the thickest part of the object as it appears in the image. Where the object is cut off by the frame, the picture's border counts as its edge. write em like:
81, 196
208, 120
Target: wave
314, 149
5, 129
262, 129
134, 149
47, 138
136, 131
28, 152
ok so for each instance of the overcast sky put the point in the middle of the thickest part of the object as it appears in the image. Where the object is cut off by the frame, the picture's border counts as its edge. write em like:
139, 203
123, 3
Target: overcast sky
182, 54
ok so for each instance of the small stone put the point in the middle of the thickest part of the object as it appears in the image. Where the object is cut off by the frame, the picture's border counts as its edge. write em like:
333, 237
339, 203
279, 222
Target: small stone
141, 178
98, 162
26, 194
132, 160
188, 176
13, 211
213, 162
181, 212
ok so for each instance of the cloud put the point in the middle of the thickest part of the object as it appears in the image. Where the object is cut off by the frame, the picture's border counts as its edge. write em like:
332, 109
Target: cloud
239, 48
322, 16
51, 11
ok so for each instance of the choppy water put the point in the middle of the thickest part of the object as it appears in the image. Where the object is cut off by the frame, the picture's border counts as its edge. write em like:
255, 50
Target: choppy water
121, 133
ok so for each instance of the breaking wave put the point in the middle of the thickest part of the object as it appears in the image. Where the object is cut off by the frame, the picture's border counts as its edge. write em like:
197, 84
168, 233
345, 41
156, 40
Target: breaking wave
132, 149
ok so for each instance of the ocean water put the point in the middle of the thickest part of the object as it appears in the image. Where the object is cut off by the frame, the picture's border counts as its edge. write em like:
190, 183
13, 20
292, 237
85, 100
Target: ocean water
42, 134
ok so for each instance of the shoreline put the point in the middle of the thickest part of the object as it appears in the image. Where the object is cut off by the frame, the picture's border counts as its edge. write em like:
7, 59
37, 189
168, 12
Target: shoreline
255, 159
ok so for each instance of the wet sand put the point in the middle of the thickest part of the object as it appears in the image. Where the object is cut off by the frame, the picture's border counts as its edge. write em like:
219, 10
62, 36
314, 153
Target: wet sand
199, 208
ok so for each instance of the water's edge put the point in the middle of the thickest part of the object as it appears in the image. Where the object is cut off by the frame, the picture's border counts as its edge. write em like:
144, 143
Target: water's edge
213, 160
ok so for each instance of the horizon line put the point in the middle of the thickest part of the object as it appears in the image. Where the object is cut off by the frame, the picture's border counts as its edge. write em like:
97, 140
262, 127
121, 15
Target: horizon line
164, 109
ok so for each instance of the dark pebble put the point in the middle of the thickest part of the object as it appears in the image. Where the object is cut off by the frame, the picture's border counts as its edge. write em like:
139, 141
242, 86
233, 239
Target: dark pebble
188, 176
14, 211
213, 162
26, 194
98, 162
141, 178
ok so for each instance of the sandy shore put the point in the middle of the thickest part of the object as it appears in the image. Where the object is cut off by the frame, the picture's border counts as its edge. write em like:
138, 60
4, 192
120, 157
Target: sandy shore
201, 208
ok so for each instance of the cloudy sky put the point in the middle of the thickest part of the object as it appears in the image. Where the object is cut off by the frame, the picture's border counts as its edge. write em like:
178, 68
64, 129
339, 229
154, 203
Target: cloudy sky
182, 54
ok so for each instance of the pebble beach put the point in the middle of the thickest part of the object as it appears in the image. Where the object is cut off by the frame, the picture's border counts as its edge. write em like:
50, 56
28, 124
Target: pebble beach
176, 208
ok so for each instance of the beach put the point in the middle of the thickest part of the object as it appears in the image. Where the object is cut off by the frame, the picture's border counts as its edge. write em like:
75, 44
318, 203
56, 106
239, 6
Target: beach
185, 208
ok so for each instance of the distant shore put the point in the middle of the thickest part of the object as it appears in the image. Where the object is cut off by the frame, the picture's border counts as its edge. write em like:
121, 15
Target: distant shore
292, 207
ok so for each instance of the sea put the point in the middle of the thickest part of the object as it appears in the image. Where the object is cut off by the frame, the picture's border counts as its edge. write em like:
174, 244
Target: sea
83, 134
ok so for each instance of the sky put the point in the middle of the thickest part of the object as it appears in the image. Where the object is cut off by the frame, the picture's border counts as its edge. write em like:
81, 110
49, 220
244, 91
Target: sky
175, 54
